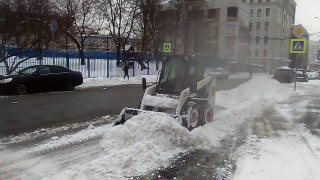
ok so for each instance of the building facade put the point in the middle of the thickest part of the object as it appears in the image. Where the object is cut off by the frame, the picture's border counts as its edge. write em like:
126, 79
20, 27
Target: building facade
229, 29
314, 47
270, 31
215, 27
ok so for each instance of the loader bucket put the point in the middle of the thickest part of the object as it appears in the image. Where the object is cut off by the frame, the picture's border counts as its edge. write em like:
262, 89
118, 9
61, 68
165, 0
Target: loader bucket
128, 113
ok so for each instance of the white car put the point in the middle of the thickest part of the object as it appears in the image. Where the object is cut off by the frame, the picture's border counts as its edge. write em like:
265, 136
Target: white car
313, 74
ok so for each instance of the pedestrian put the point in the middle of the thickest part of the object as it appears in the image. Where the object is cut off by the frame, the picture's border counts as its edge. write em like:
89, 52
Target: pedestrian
126, 70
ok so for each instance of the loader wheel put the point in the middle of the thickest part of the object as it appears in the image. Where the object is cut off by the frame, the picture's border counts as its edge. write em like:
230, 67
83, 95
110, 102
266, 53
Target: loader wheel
208, 115
191, 116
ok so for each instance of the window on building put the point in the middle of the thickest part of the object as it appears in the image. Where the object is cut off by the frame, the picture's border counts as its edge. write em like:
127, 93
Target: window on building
250, 26
256, 53
259, 1
251, 1
267, 0
258, 26
213, 14
259, 13
266, 26
265, 53
251, 12
265, 40
232, 12
267, 12
257, 40
244, 1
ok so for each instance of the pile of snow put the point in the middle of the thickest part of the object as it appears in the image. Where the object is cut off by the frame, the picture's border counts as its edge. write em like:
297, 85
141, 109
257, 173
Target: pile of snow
286, 157
162, 102
257, 89
142, 143
115, 81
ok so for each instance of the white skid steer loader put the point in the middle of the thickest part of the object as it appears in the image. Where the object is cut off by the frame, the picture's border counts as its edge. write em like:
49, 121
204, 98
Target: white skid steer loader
183, 89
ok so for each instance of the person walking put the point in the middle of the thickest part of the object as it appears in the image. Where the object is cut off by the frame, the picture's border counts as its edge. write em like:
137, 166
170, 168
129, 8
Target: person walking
126, 70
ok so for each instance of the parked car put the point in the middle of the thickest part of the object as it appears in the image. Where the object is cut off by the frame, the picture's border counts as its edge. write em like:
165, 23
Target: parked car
302, 75
313, 74
284, 75
220, 73
41, 77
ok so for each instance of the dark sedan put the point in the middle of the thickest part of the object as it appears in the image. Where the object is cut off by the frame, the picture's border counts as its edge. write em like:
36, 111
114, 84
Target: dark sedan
41, 77
284, 75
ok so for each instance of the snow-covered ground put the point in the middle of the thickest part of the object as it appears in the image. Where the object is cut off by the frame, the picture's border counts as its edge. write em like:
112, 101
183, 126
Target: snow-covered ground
293, 153
289, 156
116, 81
147, 141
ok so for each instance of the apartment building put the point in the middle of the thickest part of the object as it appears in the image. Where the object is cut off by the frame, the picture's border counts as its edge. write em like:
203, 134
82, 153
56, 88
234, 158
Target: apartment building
229, 29
270, 31
314, 48
215, 27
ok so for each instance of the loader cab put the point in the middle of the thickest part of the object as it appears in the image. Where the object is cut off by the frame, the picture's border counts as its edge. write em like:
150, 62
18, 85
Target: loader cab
178, 73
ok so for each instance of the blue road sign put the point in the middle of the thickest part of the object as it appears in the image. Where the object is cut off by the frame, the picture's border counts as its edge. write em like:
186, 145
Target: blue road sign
298, 46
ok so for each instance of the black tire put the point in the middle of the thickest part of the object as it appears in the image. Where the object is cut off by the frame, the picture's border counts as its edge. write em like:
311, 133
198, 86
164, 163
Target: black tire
69, 86
20, 89
191, 116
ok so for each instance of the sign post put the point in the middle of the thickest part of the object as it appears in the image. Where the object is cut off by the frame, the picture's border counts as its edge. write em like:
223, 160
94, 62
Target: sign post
297, 46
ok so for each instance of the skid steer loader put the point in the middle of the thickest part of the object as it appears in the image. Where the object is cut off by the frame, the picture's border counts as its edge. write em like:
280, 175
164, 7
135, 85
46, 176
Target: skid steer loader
183, 89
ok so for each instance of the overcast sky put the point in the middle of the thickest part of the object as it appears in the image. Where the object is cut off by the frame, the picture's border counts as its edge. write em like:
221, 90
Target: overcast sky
306, 11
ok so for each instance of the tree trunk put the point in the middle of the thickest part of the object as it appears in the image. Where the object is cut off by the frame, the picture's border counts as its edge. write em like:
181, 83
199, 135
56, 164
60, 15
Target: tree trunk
83, 60
118, 55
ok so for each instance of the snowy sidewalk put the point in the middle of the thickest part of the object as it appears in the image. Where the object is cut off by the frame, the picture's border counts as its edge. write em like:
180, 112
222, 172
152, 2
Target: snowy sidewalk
116, 81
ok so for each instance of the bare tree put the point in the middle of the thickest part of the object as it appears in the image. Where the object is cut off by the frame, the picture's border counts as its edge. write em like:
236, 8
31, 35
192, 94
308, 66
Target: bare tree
86, 21
149, 26
120, 16
23, 26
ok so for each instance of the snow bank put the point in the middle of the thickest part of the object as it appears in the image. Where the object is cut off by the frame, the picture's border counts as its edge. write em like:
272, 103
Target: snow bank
286, 157
257, 89
104, 82
142, 143
162, 102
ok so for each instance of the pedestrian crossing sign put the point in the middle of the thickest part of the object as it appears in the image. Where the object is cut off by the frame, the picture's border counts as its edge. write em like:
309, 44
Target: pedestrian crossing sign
167, 47
298, 46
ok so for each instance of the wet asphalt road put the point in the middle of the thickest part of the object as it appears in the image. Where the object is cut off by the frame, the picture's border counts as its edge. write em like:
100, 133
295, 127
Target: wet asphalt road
28, 112
20, 114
